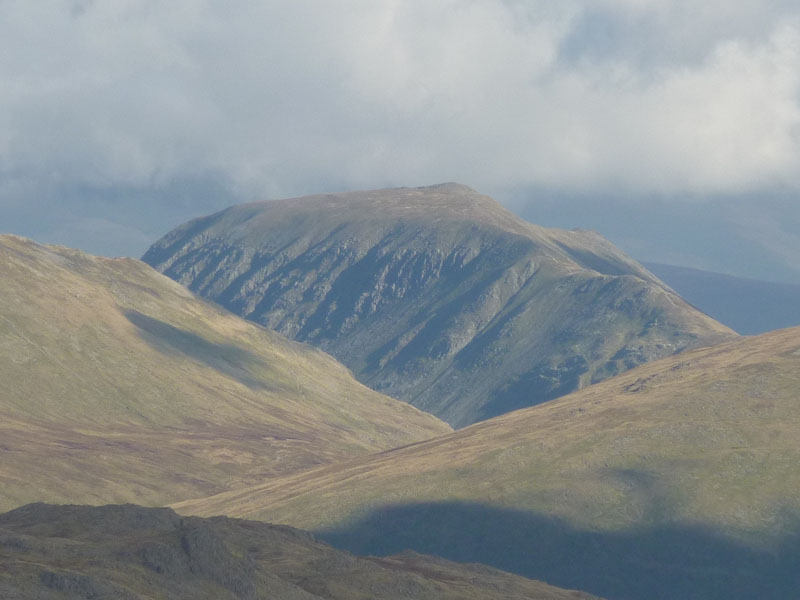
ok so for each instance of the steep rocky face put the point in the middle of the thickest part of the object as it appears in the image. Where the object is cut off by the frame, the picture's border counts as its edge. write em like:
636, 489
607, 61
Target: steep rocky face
129, 552
437, 295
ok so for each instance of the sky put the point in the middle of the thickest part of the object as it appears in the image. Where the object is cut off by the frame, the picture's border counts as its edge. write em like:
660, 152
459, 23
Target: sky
670, 126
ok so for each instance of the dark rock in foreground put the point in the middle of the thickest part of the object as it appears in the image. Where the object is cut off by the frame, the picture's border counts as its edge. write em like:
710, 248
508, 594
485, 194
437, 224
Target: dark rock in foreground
128, 552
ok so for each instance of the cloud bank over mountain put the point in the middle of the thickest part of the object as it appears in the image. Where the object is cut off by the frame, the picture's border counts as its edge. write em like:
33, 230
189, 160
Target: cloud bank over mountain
133, 102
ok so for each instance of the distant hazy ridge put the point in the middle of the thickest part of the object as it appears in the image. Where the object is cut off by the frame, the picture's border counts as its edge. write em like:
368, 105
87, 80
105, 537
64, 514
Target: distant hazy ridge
748, 306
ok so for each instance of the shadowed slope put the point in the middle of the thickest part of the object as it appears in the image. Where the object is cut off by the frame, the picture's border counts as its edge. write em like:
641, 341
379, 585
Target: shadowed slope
663, 562
438, 295
698, 446
129, 552
117, 384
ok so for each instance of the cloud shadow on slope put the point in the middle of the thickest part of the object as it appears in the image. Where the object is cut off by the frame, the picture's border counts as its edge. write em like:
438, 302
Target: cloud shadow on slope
674, 562
231, 360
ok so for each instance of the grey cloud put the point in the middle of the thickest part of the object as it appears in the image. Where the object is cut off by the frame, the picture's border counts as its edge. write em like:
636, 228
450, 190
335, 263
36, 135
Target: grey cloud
658, 33
666, 99
270, 93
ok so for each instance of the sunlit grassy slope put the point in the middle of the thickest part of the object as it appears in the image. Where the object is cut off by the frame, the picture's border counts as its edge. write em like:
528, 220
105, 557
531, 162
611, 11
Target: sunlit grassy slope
707, 438
676, 481
117, 384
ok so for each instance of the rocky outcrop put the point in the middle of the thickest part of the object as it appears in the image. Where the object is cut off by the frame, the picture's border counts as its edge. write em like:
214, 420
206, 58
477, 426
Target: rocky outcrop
130, 552
438, 295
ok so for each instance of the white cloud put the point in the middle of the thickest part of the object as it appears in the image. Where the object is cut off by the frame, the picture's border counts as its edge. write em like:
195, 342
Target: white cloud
726, 125
636, 97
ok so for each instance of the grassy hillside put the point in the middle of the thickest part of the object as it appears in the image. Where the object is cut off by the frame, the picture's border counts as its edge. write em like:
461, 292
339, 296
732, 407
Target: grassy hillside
437, 295
117, 384
685, 470
130, 552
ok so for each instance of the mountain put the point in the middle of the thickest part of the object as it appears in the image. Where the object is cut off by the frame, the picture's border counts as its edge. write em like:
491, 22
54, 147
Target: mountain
675, 480
129, 552
748, 306
119, 385
438, 295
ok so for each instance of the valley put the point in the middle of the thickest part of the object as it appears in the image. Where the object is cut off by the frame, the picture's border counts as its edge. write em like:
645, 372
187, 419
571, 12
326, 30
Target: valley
678, 475
461, 300
611, 437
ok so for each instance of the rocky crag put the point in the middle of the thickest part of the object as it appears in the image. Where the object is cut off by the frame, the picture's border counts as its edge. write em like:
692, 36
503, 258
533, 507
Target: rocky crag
130, 553
438, 295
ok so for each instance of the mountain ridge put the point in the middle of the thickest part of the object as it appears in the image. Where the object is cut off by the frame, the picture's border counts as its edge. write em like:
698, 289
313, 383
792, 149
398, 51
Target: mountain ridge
438, 295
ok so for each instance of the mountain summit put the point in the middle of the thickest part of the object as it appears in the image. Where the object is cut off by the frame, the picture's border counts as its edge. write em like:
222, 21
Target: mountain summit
437, 295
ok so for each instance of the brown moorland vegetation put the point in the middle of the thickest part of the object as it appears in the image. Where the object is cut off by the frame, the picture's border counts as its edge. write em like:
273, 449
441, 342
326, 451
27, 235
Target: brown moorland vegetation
677, 479
119, 385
